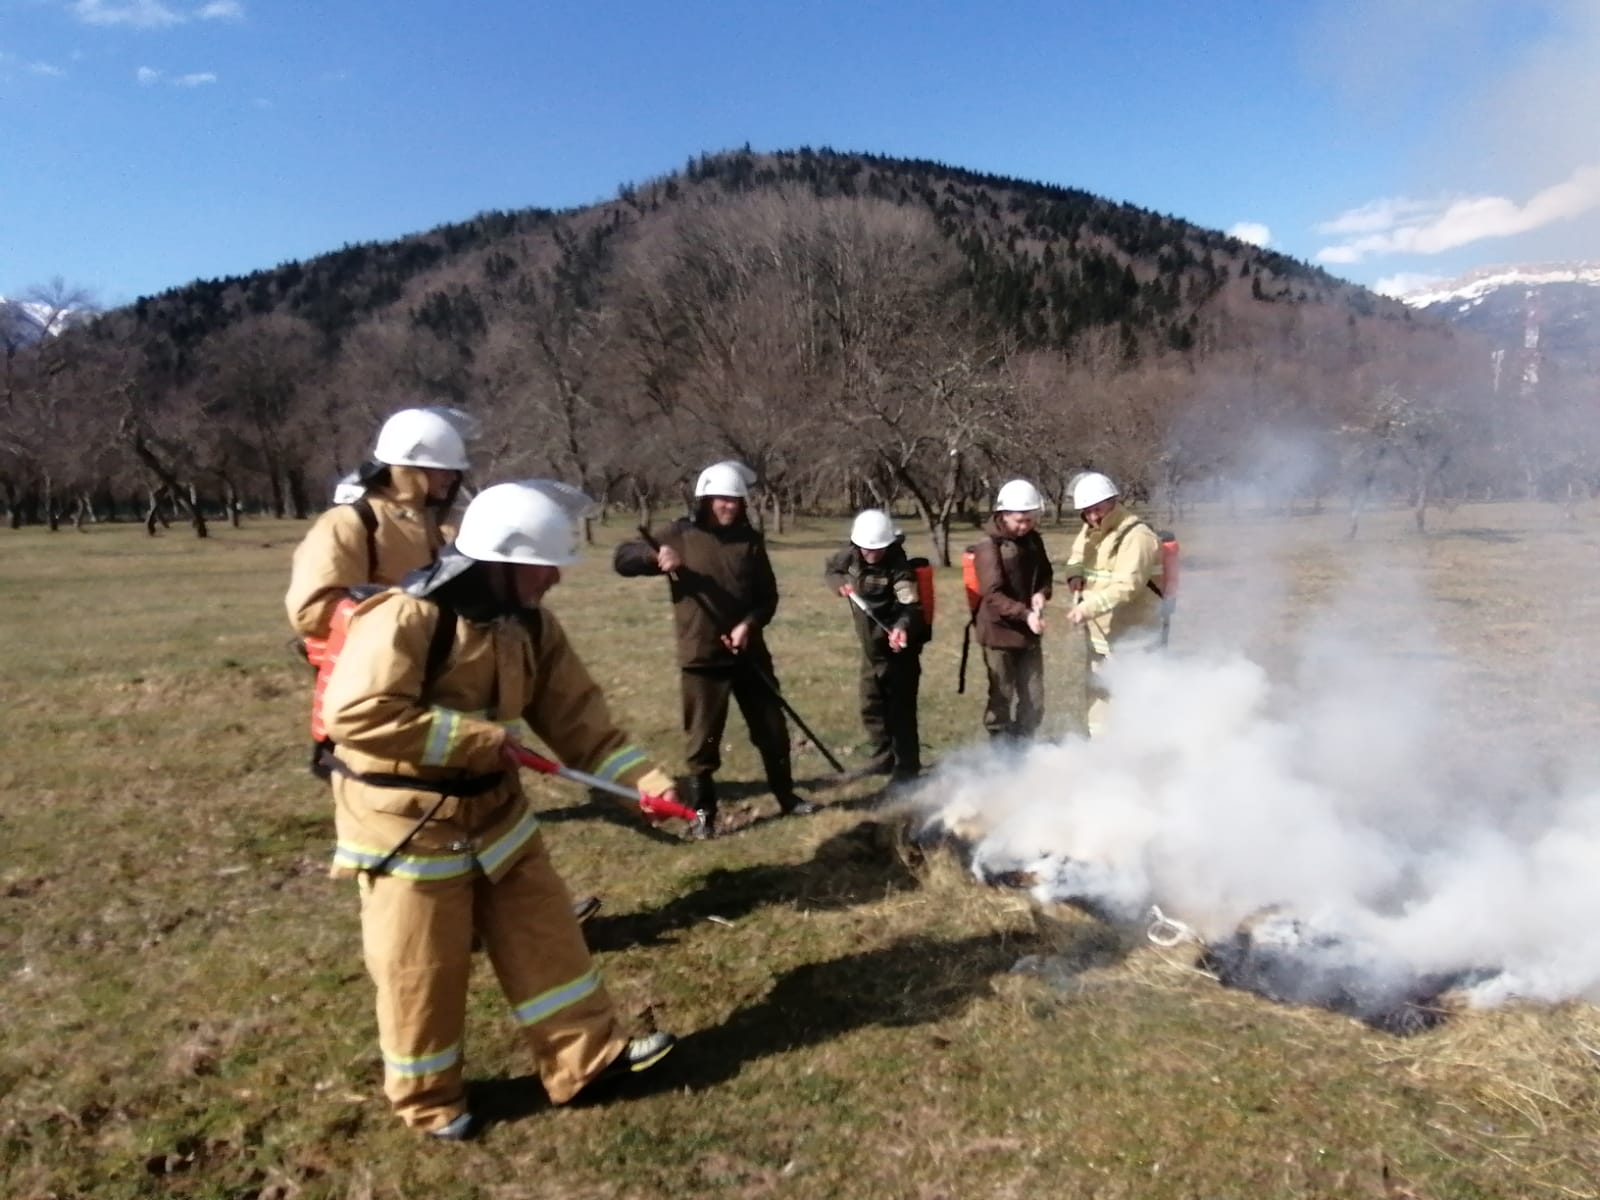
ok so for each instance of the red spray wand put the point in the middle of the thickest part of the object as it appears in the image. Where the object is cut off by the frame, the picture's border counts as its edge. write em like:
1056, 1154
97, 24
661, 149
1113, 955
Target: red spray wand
654, 806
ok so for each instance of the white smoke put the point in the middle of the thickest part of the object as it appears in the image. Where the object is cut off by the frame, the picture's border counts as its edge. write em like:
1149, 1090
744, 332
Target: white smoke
1354, 789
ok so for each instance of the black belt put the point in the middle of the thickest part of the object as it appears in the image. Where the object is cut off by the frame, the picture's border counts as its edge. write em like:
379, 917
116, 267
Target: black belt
466, 788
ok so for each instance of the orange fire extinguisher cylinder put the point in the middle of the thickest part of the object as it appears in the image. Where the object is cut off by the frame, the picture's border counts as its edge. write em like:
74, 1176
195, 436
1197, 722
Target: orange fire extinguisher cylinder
1169, 568
323, 653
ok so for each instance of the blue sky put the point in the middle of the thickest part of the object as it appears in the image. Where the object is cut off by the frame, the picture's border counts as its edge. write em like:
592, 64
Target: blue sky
146, 143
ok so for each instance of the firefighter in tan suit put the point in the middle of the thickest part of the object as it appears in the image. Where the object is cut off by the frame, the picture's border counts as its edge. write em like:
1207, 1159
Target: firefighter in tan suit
1115, 569
432, 819
389, 527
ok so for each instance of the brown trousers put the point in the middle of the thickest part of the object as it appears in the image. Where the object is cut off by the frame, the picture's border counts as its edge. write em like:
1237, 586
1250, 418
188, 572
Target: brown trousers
1016, 691
706, 692
888, 690
418, 944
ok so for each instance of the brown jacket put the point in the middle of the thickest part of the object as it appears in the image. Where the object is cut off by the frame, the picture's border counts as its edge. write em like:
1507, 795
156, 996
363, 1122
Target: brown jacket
1010, 570
495, 680
335, 554
730, 573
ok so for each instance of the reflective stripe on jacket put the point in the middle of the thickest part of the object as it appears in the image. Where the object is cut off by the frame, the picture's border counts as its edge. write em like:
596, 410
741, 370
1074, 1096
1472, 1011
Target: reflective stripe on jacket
495, 679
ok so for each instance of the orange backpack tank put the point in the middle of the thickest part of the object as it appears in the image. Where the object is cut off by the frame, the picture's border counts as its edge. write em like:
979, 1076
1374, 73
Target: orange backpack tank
926, 596
969, 578
1169, 569
322, 653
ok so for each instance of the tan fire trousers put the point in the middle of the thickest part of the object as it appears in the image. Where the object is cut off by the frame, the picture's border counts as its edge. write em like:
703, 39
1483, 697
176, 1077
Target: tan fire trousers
1099, 697
418, 945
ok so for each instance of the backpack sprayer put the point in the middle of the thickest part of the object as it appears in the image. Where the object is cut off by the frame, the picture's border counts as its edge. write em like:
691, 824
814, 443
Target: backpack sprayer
652, 806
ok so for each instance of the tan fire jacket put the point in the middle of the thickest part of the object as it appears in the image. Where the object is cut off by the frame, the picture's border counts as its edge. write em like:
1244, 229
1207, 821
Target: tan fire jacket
334, 555
1117, 562
495, 681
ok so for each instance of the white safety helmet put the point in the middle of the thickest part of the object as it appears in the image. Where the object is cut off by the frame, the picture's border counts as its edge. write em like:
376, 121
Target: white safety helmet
873, 530
728, 479
535, 521
1019, 496
1090, 488
421, 437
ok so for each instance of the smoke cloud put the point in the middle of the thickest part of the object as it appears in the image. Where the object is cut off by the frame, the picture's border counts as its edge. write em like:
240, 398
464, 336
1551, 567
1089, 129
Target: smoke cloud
1373, 782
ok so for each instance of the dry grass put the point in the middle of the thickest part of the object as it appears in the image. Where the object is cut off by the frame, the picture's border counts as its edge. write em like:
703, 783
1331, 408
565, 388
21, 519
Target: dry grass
186, 1014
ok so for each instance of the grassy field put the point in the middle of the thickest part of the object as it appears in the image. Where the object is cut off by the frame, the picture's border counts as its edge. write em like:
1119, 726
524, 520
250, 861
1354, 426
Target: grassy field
185, 1012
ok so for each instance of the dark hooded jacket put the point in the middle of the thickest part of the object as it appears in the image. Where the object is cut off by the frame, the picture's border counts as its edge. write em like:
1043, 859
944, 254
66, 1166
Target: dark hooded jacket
725, 570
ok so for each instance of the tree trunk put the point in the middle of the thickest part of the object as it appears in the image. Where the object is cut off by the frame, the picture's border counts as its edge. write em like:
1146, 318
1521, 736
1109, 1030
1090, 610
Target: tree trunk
51, 517
153, 514
299, 502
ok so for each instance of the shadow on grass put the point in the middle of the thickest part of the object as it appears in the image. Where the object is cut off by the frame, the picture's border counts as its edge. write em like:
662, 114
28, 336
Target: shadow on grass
852, 867
917, 980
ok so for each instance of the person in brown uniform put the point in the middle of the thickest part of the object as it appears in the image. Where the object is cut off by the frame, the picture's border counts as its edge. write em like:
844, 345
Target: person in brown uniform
872, 571
1014, 581
437, 686
391, 527
723, 595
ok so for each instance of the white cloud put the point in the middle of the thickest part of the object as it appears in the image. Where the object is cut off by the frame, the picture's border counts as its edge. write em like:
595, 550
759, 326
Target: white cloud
139, 14
1378, 216
1253, 232
196, 79
49, 70
147, 75
222, 10
1425, 228
1406, 282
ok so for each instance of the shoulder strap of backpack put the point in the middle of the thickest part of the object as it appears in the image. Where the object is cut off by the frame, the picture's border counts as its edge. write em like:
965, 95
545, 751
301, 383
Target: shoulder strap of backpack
369, 522
1124, 532
439, 645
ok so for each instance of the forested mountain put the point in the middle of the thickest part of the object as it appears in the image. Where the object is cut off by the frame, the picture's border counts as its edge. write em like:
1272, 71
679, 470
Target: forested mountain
854, 326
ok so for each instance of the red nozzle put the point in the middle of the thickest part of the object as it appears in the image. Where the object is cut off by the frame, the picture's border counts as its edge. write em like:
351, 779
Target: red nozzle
660, 806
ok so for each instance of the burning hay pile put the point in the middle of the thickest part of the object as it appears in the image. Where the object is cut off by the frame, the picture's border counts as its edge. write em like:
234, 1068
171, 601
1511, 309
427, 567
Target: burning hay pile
1303, 872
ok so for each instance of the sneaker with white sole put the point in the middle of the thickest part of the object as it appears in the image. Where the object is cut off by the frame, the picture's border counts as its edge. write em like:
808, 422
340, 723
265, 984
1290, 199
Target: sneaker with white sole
639, 1054
461, 1129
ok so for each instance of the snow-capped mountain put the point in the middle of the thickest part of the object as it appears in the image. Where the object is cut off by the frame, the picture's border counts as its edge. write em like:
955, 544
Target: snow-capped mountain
1541, 319
1475, 286
22, 321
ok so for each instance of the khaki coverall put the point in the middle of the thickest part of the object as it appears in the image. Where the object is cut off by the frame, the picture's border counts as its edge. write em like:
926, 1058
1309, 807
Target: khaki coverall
335, 554
479, 865
1117, 563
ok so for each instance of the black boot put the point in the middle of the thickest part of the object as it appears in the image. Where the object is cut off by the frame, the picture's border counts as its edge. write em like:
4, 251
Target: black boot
780, 778
700, 793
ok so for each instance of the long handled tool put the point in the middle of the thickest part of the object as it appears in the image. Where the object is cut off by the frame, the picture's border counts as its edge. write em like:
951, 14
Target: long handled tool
867, 609
655, 806
767, 680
